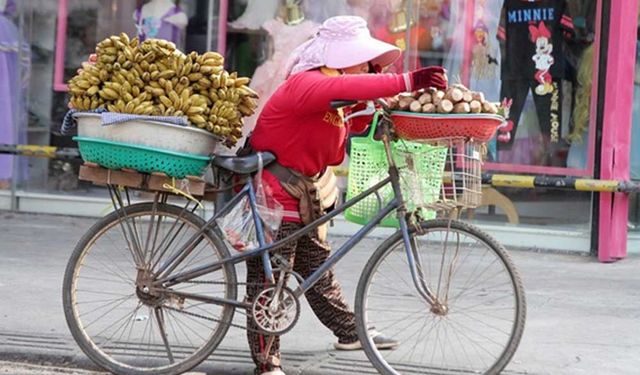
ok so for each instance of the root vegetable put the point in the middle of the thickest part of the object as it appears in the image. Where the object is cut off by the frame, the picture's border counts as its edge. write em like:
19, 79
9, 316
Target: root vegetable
445, 106
454, 95
404, 103
462, 107
478, 96
460, 87
424, 98
475, 106
393, 103
437, 97
467, 96
415, 106
429, 108
488, 107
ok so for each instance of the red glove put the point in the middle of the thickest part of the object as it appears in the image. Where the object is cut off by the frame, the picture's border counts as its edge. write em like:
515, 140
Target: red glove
431, 76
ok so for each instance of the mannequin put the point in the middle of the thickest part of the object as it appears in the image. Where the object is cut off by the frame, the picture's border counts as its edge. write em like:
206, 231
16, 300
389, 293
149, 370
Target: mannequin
271, 73
256, 13
161, 19
319, 11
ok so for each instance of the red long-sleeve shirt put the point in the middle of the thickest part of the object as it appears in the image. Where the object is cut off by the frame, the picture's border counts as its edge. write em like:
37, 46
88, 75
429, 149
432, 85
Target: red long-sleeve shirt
299, 126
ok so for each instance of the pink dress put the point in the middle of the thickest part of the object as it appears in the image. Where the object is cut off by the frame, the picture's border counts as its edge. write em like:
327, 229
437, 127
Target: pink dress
271, 73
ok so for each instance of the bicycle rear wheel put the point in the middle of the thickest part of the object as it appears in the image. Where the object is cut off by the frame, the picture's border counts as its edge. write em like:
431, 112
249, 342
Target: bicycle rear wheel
127, 330
482, 321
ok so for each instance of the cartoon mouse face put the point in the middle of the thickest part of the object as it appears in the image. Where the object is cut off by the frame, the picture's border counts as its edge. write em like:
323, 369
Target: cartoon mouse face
543, 46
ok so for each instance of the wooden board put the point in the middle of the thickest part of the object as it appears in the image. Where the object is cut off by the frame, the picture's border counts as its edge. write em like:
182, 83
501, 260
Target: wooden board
141, 181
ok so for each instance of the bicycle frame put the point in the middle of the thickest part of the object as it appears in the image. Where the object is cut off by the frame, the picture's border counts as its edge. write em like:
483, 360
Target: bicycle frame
166, 279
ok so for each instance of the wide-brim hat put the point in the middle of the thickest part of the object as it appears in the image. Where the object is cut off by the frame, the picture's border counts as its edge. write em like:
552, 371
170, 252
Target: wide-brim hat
342, 42
350, 43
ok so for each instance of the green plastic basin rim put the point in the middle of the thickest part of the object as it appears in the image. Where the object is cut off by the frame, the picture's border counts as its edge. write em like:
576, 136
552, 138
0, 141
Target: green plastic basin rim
146, 148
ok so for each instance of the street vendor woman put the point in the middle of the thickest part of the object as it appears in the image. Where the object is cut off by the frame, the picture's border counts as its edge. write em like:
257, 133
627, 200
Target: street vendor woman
300, 127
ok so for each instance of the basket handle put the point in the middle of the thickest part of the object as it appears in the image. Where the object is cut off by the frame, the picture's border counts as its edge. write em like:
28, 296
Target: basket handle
373, 126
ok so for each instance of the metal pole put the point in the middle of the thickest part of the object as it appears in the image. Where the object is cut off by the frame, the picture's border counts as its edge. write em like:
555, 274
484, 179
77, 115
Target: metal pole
210, 26
17, 108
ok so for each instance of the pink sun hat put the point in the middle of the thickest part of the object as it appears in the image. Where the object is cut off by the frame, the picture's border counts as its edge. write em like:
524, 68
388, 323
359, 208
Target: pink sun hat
341, 42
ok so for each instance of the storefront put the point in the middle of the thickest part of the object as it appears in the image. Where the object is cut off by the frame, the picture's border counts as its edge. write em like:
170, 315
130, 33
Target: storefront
554, 60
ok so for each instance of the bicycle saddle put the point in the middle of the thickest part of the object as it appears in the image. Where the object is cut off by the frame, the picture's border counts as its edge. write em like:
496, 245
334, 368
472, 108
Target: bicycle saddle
243, 164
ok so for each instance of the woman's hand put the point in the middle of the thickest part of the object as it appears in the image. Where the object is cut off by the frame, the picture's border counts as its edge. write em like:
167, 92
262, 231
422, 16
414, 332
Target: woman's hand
431, 76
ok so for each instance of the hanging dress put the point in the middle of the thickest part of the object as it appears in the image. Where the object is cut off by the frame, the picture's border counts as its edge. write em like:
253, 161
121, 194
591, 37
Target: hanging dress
256, 13
271, 73
12, 111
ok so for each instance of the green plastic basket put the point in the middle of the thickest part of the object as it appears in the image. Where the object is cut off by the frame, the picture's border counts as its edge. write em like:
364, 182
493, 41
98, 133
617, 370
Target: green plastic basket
421, 170
117, 155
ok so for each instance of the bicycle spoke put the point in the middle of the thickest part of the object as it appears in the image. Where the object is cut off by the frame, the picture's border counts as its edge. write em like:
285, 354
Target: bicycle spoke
163, 334
469, 332
130, 326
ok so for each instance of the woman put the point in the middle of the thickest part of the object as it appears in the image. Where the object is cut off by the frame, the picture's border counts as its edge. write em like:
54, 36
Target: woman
299, 126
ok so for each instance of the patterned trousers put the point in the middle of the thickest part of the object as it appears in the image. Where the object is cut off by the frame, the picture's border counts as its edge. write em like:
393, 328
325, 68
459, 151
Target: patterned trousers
325, 297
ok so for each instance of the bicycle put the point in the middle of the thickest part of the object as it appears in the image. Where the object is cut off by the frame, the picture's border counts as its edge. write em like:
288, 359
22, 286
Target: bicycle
152, 288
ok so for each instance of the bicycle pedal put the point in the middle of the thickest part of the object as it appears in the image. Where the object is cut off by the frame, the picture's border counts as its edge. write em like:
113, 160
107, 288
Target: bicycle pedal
280, 262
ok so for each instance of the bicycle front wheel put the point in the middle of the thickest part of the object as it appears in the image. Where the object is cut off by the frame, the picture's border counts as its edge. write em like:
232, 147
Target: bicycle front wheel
478, 323
123, 325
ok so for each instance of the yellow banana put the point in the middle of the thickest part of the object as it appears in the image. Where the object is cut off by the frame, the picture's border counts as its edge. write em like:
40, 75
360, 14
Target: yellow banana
83, 84
166, 101
197, 119
167, 73
175, 98
93, 90
195, 110
129, 108
241, 81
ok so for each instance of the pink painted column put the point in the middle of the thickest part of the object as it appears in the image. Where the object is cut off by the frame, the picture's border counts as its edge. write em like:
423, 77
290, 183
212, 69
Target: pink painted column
61, 44
616, 136
222, 26
469, 40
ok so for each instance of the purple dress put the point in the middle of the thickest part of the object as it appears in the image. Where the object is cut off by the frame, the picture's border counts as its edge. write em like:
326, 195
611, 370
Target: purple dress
158, 28
12, 112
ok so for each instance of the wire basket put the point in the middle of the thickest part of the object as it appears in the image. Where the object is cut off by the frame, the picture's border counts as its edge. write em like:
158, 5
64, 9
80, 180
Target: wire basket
423, 126
462, 179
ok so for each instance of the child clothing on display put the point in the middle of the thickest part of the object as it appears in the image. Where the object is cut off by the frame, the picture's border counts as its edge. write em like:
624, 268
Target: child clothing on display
272, 72
484, 51
161, 19
319, 11
532, 35
256, 14
528, 145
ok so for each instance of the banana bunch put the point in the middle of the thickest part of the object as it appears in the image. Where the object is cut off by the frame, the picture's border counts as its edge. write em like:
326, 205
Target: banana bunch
154, 78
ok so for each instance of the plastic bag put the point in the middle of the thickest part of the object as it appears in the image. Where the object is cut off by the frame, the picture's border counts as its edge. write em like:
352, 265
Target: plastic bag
239, 226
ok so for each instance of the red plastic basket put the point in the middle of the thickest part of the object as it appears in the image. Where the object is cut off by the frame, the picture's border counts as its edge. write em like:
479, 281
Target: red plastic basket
417, 126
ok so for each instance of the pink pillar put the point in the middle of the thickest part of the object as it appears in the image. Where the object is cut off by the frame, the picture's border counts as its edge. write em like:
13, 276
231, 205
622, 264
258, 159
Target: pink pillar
616, 136
61, 44
223, 12
469, 40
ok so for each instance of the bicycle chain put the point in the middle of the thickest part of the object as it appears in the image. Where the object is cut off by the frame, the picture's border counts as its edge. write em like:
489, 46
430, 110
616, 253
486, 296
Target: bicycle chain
206, 317
214, 319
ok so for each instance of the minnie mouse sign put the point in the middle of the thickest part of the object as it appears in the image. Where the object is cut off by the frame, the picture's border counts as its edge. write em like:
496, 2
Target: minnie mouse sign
543, 59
